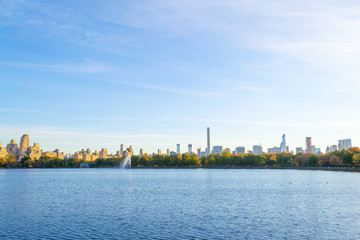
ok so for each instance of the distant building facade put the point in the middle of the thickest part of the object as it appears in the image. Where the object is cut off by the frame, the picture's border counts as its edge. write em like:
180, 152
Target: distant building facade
217, 149
24, 145
13, 149
103, 153
283, 144
274, 150
208, 148
344, 144
257, 149
34, 152
308, 145
299, 150
239, 150
190, 148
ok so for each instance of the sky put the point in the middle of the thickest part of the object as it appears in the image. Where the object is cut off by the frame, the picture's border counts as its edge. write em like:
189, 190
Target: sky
151, 74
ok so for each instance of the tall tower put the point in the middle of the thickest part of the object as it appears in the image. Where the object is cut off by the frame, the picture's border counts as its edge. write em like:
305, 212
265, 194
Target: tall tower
308, 145
283, 144
24, 144
178, 148
190, 148
122, 149
208, 150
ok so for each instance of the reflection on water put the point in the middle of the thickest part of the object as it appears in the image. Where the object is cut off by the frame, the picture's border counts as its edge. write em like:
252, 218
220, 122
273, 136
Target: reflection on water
178, 203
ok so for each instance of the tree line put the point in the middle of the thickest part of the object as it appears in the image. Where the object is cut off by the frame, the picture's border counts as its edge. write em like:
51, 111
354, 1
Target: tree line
344, 158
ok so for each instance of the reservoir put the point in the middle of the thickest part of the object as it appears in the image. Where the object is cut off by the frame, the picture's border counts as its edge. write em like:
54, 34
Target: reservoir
178, 204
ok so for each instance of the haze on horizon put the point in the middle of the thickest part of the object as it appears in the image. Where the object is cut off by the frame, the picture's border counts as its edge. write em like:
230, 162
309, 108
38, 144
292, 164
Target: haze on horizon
78, 74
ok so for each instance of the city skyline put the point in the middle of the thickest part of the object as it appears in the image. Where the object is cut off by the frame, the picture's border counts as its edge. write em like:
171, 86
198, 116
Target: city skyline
24, 148
101, 73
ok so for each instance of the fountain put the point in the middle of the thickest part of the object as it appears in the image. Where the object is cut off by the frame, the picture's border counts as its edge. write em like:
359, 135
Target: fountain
126, 162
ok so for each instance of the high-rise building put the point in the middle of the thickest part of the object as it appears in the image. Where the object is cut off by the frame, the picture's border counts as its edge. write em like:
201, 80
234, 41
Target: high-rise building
239, 150
190, 148
178, 148
283, 144
122, 149
333, 148
344, 144
274, 150
103, 153
34, 152
159, 151
13, 148
299, 150
308, 145
141, 152
257, 149
168, 152
208, 149
327, 149
313, 148
217, 149
24, 144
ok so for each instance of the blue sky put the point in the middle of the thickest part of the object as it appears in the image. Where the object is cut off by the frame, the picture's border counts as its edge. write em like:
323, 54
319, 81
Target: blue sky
78, 74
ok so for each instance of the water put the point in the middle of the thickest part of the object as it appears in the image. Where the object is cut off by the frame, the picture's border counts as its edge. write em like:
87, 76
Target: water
126, 162
178, 204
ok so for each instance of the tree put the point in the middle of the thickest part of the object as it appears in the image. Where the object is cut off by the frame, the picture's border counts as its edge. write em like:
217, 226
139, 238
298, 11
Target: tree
324, 159
347, 158
313, 160
356, 159
335, 160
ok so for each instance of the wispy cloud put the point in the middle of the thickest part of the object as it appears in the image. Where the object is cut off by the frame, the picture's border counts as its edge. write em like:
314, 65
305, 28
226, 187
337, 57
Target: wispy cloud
18, 110
85, 67
198, 93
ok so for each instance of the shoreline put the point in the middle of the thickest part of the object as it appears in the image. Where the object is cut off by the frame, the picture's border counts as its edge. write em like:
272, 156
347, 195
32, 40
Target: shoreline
344, 169
341, 169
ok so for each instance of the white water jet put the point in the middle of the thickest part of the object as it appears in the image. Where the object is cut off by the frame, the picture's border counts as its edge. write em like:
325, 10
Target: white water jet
126, 162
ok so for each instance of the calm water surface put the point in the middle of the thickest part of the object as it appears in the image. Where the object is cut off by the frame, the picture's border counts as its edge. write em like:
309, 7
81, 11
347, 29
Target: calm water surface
178, 204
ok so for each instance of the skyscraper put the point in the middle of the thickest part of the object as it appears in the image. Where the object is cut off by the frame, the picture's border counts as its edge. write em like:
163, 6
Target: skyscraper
333, 148
190, 148
178, 148
208, 149
13, 148
141, 152
168, 152
24, 144
344, 144
159, 151
122, 149
103, 153
308, 146
257, 149
283, 144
